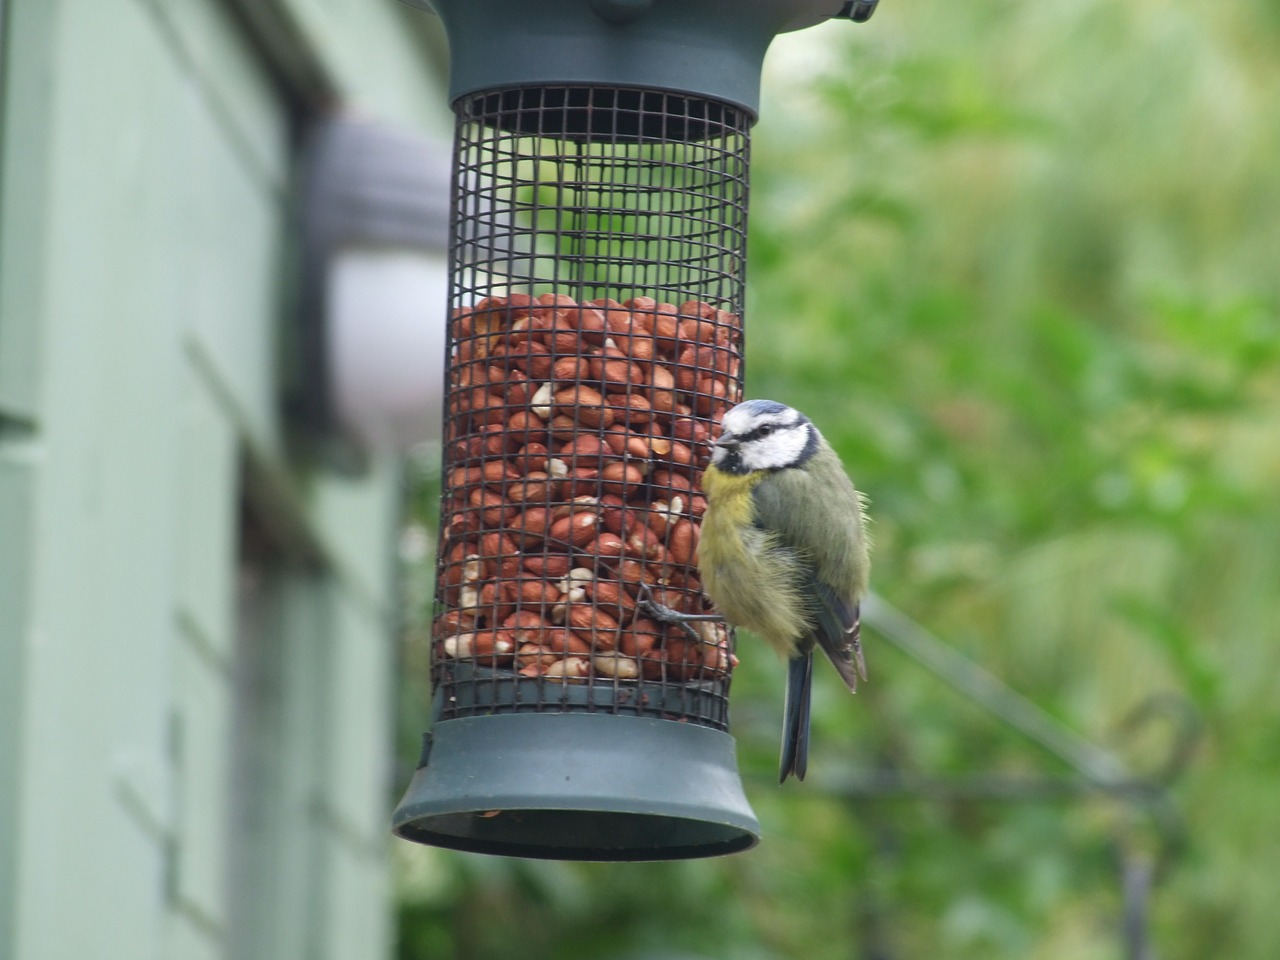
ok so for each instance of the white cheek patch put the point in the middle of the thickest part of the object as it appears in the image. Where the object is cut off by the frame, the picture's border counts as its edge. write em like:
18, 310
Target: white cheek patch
793, 443
782, 449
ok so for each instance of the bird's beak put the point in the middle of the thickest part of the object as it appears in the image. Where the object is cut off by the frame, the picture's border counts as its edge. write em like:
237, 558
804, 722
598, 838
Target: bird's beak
727, 443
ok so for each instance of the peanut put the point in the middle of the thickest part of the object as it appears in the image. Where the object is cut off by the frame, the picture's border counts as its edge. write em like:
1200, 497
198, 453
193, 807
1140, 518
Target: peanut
576, 441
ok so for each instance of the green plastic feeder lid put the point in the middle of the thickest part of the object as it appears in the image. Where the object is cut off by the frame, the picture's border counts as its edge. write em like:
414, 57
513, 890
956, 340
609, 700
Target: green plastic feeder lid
707, 48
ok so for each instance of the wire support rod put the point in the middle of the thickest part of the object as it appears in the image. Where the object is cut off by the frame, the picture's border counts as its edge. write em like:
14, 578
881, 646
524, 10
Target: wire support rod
992, 694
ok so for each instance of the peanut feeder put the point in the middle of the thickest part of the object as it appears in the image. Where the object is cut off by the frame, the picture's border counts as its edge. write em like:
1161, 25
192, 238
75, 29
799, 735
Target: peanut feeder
597, 260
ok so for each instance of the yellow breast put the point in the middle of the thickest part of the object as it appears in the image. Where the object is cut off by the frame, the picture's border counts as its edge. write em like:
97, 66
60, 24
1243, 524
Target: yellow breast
729, 496
752, 584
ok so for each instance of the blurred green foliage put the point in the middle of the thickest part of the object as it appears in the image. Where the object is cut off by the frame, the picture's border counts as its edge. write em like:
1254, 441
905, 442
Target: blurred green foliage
1021, 263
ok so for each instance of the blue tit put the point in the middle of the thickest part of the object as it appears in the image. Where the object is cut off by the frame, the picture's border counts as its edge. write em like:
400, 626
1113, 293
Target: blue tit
784, 550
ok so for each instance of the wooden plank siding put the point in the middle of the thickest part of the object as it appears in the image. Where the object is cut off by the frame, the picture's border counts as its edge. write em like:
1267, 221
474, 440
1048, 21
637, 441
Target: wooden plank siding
194, 730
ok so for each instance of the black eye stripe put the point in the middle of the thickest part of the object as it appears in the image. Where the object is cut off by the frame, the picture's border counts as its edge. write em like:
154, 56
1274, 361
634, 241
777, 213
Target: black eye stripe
761, 431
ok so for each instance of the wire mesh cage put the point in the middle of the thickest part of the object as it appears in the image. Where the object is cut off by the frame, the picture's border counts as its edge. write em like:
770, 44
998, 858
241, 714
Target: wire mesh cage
598, 240
597, 286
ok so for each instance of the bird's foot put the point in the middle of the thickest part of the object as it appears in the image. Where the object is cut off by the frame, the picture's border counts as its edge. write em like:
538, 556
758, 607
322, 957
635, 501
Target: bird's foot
664, 614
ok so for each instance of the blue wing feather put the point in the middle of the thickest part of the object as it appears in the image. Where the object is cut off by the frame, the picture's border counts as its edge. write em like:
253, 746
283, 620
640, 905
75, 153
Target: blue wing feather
833, 611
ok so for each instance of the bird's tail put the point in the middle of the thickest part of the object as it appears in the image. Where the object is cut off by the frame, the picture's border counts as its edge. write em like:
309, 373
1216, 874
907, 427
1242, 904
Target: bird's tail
795, 724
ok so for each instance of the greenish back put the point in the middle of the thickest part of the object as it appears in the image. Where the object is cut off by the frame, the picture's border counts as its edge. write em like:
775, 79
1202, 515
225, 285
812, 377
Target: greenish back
817, 512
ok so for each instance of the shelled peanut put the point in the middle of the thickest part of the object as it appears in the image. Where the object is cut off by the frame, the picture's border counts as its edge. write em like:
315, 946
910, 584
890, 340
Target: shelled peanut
577, 436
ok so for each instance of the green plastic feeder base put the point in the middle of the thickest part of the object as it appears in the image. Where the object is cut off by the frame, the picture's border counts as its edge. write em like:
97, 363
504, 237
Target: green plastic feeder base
577, 786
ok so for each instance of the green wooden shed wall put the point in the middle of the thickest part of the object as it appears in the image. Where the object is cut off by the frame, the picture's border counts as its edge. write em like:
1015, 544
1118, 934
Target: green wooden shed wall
195, 626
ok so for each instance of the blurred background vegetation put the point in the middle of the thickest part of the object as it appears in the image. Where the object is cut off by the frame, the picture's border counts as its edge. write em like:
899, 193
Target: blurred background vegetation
1021, 263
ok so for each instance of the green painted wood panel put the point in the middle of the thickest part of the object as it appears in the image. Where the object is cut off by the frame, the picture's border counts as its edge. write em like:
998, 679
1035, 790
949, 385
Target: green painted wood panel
359, 697
143, 235
148, 193
231, 257
202, 739
310, 864
376, 53
231, 266
184, 939
98, 662
282, 725
27, 87
358, 904
231, 82
18, 461
207, 520
355, 519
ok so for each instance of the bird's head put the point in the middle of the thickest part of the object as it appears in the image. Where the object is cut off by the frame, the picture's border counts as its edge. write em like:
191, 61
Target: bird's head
763, 435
